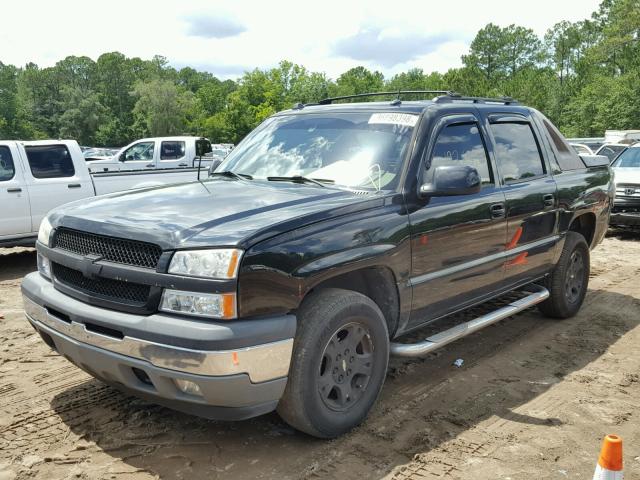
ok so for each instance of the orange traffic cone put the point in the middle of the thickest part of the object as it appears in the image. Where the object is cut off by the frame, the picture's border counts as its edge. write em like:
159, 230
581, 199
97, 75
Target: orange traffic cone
610, 462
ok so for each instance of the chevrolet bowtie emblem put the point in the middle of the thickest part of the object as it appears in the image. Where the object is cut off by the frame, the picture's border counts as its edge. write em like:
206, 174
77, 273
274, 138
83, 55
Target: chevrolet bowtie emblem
89, 267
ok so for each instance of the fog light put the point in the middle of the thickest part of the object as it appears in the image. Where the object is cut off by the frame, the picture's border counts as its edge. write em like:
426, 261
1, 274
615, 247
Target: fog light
44, 266
188, 387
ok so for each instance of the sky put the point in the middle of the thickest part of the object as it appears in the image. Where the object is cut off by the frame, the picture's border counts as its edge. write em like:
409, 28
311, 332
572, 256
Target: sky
227, 38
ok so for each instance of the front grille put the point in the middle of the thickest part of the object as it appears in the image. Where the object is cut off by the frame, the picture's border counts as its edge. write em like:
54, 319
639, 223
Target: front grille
117, 250
114, 290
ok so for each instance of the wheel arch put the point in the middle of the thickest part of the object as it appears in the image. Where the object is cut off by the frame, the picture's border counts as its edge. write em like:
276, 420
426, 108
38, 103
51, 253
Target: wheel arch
585, 225
376, 282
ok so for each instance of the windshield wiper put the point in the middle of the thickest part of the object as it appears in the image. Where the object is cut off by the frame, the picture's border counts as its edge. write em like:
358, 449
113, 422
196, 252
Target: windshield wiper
301, 179
229, 173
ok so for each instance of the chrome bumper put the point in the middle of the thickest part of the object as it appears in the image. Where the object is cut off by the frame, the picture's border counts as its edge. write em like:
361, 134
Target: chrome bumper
261, 362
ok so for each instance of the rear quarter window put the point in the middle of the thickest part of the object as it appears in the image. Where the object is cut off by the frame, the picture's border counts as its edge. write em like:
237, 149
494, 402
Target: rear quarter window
50, 161
567, 158
7, 169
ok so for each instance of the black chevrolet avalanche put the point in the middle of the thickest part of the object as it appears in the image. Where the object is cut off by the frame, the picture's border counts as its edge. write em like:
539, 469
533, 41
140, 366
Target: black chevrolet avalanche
287, 278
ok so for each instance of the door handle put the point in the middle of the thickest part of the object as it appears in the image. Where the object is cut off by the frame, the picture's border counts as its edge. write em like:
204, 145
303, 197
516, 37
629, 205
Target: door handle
149, 165
182, 165
74, 185
14, 190
497, 210
548, 200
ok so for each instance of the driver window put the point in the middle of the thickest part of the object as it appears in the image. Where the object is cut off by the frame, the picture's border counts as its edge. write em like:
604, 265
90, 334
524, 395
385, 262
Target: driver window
140, 151
460, 144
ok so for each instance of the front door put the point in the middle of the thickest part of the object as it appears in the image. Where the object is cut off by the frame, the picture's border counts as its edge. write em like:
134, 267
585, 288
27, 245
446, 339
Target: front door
15, 217
139, 156
457, 242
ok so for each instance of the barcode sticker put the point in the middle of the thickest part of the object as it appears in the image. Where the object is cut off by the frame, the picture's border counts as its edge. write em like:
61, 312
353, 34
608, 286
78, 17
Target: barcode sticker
405, 119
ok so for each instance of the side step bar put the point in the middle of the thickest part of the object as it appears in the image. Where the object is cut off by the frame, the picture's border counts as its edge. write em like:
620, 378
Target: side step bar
537, 295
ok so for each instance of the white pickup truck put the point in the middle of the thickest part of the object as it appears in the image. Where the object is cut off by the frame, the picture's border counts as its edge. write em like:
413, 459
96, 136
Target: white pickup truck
154, 154
40, 175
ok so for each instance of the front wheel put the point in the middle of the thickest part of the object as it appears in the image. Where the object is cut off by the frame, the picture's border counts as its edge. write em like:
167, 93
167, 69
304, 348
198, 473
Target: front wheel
568, 282
339, 363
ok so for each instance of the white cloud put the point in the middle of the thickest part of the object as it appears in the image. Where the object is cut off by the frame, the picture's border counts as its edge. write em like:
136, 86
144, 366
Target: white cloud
236, 35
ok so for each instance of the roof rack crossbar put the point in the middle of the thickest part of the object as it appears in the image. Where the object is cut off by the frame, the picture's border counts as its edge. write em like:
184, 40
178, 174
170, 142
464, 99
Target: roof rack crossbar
397, 93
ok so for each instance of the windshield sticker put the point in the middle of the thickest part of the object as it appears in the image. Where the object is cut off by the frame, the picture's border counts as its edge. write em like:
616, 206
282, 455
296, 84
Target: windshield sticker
405, 119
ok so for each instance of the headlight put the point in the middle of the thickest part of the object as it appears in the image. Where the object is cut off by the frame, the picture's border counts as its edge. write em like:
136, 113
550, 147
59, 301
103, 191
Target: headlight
214, 263
211, 305
45, 231
44, 267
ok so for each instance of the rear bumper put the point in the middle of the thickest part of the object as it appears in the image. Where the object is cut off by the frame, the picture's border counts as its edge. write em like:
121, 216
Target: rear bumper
232, 383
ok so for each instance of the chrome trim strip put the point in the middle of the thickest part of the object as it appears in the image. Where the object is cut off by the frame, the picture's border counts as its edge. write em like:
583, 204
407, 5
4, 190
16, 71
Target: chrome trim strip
260, 362
480, 261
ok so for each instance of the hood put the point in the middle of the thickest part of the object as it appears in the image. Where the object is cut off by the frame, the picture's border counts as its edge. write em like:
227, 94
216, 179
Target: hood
219, 211
627, 175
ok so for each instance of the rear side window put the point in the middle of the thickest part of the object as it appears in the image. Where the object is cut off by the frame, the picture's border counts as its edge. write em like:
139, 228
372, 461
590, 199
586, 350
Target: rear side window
517, 151
172, 150
7, 170
460, 144
568, 159
50, 161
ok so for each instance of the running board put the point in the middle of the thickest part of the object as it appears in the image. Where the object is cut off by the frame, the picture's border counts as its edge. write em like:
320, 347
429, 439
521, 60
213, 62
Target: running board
537, 294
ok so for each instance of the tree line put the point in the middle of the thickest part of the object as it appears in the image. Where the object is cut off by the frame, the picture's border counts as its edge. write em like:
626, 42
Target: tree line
584, 75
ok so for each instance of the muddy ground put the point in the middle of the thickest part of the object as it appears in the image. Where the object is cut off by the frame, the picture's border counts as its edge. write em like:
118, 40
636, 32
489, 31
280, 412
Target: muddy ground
532, 400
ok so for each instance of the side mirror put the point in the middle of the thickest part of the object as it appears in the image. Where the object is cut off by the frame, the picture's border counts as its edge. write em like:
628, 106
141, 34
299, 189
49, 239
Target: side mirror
121, 157
452, 180
203, 146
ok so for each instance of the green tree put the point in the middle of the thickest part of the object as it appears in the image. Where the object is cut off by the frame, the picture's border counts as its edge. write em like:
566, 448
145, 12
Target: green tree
162, 108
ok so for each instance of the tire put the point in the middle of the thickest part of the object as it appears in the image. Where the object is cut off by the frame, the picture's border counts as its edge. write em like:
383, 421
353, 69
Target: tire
331, 388
569, 280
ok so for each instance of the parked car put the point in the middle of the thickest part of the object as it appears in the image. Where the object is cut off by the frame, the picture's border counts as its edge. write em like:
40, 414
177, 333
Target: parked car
612, 150
622, 136
593, 143
38, 176
581, 149
286, 279
626, 207
99, 153
155, 153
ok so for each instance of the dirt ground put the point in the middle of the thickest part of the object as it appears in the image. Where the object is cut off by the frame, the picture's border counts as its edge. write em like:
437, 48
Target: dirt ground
532, 400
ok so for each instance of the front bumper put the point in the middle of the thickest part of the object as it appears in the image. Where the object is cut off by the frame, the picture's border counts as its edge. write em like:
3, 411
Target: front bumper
242, 381
628, 219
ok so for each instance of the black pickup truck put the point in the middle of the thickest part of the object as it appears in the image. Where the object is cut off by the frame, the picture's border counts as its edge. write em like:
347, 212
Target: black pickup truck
286, 279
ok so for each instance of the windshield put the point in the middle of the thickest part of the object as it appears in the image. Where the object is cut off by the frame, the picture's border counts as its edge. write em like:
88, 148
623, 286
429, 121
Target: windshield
358, 150
630, 158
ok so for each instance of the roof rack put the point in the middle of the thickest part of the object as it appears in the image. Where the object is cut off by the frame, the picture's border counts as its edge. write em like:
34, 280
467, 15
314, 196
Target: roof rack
397, 93
456, 97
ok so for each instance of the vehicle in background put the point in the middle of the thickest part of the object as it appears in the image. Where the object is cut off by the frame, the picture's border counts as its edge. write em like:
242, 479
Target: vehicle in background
592, 142
99, 153
581, 149
286, 279
38, 176
622, 136
155, 154
626, 205
612, 150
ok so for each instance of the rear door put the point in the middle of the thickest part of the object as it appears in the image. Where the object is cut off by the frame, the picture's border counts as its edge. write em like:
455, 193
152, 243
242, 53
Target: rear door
531, 196
15, 215
457, 242
52, 177
173, 154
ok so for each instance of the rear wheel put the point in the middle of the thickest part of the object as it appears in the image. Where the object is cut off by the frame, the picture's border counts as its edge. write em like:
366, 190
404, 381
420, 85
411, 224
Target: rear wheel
568, 282
339, 363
